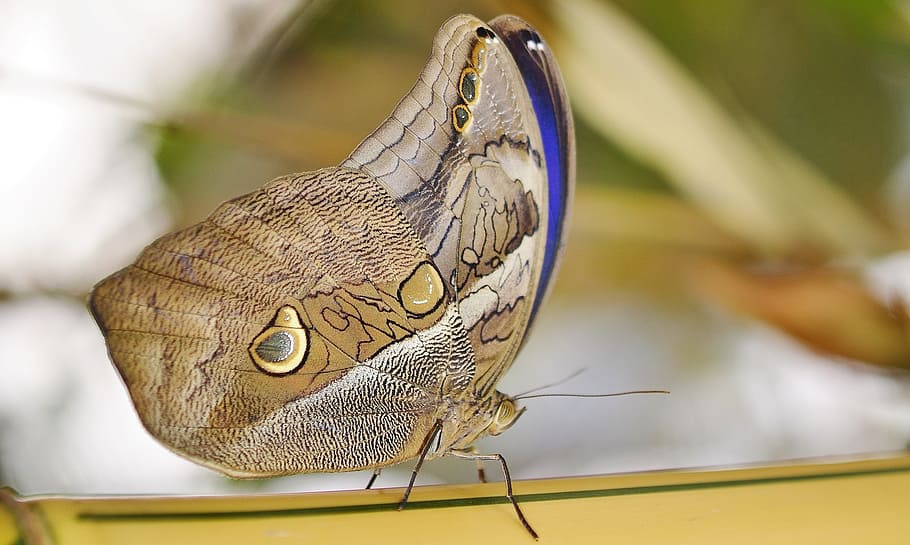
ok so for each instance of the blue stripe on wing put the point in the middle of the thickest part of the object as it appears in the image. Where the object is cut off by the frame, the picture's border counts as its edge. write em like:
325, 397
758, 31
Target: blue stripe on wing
544, 86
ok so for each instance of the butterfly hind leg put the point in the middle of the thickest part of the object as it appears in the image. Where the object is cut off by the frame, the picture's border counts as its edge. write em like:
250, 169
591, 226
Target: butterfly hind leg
373, 477
424, 450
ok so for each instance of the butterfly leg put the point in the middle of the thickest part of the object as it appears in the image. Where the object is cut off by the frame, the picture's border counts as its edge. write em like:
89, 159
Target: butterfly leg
471, 454
424, 449
372, 480
481, 474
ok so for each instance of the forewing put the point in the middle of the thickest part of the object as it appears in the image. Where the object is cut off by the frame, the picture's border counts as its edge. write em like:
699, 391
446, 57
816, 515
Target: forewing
483, 170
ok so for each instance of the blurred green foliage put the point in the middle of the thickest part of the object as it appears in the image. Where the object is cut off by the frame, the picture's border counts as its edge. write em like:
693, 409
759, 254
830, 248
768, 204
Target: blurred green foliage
826, 76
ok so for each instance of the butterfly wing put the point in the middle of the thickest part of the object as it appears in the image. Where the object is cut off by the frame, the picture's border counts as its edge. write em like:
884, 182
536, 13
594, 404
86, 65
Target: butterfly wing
480, 157
321, 322
324, 262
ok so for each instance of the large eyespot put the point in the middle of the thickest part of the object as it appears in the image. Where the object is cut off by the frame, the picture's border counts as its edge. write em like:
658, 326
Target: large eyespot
282, 347
506, 415
422, 291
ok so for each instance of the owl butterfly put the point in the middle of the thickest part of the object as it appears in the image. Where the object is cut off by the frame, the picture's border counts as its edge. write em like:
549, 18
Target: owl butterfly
361, 315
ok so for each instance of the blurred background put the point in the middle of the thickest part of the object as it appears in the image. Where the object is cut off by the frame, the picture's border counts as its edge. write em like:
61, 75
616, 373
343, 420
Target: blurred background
739, 236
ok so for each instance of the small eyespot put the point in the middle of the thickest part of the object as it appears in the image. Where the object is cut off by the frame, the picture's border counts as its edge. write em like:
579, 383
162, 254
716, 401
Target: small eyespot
479, 57
282, 347
468, 85
484, 32
532, 40
461, 116
422, 291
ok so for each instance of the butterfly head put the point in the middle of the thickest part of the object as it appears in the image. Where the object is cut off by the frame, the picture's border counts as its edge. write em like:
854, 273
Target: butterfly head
475, 418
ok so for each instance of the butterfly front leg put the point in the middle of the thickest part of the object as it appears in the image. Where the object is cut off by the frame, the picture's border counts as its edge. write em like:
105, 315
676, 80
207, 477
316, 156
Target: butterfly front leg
471, 453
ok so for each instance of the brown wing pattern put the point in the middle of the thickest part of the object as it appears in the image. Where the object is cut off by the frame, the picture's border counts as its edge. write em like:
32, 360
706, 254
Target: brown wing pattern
179, 323
474, 193
326, 321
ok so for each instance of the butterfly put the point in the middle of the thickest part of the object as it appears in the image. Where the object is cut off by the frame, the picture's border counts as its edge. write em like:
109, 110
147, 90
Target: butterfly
361, 315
